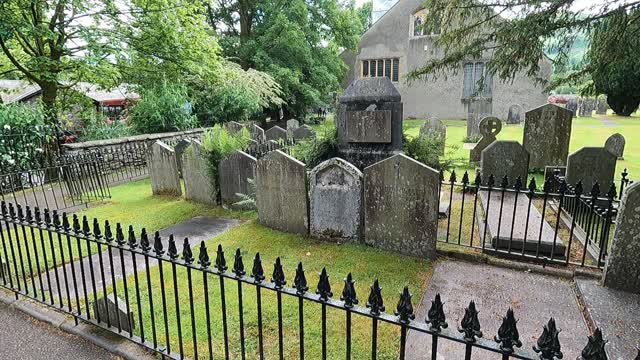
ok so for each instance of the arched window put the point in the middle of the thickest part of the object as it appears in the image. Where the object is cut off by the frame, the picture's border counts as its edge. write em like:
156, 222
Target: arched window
423, 25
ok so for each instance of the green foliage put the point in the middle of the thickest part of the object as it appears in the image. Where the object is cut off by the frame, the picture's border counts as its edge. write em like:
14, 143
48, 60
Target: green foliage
25, 134
247, 201
219, 143
101, 129
162, 108
316, 150
472, 138
428, 150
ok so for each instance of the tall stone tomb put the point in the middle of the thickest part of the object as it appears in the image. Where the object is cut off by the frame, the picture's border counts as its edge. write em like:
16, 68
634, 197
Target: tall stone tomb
369, 121
547, 132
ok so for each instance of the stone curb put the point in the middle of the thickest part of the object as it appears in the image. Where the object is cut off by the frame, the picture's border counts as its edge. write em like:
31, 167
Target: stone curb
113, 343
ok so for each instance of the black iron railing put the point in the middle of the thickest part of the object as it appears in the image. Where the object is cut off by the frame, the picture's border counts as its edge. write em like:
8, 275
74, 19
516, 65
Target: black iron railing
521, 220
27, 150
155, 288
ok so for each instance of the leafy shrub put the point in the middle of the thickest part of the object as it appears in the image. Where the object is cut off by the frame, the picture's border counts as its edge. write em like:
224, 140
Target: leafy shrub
316, 150
24, 135
101, 129
428, 150
472, 138
162, 108
247, 201
218, 143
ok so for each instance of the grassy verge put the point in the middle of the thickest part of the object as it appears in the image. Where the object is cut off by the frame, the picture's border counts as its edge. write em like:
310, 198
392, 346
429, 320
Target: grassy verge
393, 271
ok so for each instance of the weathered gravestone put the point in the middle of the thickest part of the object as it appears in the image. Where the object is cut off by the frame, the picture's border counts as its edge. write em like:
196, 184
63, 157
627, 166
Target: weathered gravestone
505, 158
622, 270
615, 144
179, 148
547, 132
401, 206
515, 114
602, 106
163, 170
235, 171
281, 193
234, 127
304, 132
434, 128
591, 165
369, 121
586, 107
199, 182
477, 109
572, 105
276, 133
106, 308
257, 134
292, 124
490, 127
268, 146
336, 201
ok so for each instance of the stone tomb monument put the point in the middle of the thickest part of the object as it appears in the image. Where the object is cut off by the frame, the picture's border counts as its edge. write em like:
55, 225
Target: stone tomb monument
336, 201
622, 270
303, 132
257, 134
233, 127
477, 109
515, 114
281, 193
276, 133
505, 157
163, 170
106, 307
615, 144
369, 121
591, 164
434, 128
199, 182
234, 172
547, 132
490, 127
401, 206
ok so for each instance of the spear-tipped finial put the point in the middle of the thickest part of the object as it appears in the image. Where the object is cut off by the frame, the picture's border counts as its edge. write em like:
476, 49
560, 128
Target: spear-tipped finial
492, 181
119, 234
595, 347
518, 183
349, 292
86, 229
203, 257
505, 182
436, 317
478, 180
277, 278
172, 251
108, 235
595, 190
465, 178
133, 242
375, 301
404, 309
470, 325
508, 335
187, 254
257, 272
300, 280
238, 264
324, 287
157, 244
221, 263
532, 185
145, 244
548, 345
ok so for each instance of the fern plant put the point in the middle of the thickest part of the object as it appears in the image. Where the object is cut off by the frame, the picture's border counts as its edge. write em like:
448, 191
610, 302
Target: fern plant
247, 201
219, 143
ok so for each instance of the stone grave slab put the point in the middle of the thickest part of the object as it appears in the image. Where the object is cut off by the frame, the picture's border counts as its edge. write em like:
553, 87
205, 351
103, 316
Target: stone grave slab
199, 182
434, 128
336, 201
547, 133
281, 193
401, 206
586, 107
505, 157
477, 109
304, 132
602, 106
590, 165
528, 240
163, 170
572, 105
257, 134
116, 311
615, 144
234, 127
235, 171
515, 114
276, 133
179, 148
292, 124
489, 127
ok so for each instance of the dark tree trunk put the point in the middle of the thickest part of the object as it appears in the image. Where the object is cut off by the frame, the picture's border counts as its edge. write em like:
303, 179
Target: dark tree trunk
246, 11
623, 105
49, 95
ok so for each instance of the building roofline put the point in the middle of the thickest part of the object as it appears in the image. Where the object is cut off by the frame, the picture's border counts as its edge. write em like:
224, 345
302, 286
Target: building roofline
380, 18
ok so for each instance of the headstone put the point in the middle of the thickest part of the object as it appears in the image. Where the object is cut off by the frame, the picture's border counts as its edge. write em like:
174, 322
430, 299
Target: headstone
292, 124
401, 206
281, 193
622, 270
615, 144
179, 148
163, 170
234, 127
199, 182
602, 106
489, 127
369, 121
515, 114
268, 146
547, 132
586, 107
477, 109
304, 132
235, 171
336, 201
434, 128
257, 133
591, 164
505, 157
572, 105
107, 307
276, 133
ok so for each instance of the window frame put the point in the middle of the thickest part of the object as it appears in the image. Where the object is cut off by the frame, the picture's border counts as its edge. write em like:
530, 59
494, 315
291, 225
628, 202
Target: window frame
487, 86
380, 67
412, 31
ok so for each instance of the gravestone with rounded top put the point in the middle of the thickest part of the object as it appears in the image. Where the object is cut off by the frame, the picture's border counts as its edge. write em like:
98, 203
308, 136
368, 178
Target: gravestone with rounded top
292, 124
434, 128
505, 158
336, 201
369, 122
622, 271
276, 133
547, 132
591, 165
199, 182
490, 127
234, 127
304, 132
234, 172
163, 170
515, 114
615, 144
602, 106
586, 107
281, 193
401, 206
257, 134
